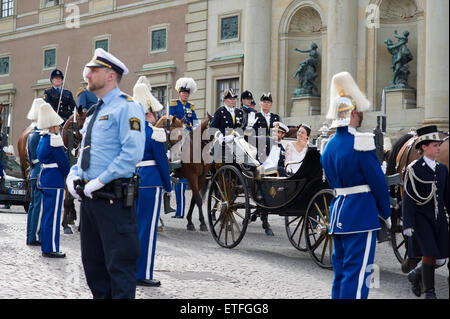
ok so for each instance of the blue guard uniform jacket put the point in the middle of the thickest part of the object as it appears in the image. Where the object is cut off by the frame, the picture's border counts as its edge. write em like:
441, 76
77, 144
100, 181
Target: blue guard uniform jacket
430, 236
68, 104
346, 166
153, 175
181, 110
32, 144
54, 169
86, 98
247, 110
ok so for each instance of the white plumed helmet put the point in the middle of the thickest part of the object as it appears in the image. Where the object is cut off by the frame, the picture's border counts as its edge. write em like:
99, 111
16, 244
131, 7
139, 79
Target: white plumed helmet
345, 96
186, 84
142, 94
48, 117
33, 113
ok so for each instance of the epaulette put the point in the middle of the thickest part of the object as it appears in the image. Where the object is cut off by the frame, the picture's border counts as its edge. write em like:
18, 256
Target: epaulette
364, 142
127, 97
80, 90
410, 165
159, 134
173, 102
56, 140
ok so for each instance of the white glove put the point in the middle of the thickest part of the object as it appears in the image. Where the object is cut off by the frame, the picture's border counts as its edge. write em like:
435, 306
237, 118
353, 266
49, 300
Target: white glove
251, 119
408, 232
71, 187
388, 223
92, 186
229, 138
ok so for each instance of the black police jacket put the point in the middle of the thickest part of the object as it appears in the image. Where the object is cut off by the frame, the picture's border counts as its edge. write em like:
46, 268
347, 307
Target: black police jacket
68, 104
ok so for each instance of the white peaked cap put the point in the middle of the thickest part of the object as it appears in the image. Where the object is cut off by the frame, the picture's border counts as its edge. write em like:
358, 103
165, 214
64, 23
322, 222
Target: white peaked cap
142, 95
187, 83
107, 60
344, 90
33, 113
48, 117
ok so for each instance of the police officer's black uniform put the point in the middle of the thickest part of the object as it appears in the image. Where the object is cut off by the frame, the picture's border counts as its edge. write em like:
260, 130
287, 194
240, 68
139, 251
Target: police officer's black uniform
52, 96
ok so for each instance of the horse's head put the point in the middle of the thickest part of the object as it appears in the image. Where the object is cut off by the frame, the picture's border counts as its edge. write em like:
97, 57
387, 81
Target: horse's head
73, 126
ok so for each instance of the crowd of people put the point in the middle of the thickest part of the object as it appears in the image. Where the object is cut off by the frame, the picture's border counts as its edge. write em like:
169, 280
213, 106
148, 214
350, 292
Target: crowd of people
120, 142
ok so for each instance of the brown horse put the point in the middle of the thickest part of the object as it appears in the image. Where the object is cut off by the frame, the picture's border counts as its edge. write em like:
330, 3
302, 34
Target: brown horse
72, 139
195, 173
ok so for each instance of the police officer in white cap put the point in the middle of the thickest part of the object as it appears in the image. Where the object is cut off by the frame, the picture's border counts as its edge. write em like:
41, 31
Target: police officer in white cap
113, 143
361, 193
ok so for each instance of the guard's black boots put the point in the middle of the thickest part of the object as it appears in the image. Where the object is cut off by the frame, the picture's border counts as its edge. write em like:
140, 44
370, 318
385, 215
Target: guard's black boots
415, 278
428, 281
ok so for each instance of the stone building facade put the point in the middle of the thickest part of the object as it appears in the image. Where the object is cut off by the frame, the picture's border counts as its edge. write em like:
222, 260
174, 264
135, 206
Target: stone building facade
242, 44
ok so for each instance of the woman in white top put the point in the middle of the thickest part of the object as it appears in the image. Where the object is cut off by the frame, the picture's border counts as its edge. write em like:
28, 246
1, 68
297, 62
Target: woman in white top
296, 151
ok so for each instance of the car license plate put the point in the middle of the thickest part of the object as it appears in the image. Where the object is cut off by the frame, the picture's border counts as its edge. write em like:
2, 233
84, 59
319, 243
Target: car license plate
17, 192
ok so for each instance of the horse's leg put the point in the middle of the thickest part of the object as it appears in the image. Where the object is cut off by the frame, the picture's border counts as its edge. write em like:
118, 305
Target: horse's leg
190, 225
199, 202
66, 211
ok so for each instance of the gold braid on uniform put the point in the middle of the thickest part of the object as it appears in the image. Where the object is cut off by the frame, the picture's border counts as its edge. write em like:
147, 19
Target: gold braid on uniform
412, 177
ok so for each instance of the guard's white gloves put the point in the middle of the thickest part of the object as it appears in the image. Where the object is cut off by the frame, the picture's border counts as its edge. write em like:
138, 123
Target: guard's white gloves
229, 138
251, 119
408, 232
70, 185
388, 223
92, 186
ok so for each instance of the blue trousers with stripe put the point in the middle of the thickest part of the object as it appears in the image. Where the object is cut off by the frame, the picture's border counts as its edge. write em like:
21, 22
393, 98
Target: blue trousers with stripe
52, 200
353, 256
180, 190
34, 213
148, 208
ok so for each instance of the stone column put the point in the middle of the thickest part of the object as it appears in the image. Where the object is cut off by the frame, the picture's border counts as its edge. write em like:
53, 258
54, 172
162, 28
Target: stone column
437, 64
257, 47
342, 31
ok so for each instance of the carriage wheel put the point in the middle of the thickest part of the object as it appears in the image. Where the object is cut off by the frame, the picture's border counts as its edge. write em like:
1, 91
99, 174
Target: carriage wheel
228, 206
318, 242
295, 229
398, 240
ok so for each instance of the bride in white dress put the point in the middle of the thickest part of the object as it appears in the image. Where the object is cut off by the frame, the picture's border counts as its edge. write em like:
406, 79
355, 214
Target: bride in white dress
296, 151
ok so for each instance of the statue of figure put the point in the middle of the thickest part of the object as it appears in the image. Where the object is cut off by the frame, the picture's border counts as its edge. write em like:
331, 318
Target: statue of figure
401, 56
307, 73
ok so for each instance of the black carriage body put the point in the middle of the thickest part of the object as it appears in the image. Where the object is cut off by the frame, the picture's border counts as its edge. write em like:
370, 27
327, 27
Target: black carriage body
289, 196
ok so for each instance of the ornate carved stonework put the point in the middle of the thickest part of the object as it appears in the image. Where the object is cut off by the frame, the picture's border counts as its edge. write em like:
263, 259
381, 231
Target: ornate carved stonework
306, 20
397, 9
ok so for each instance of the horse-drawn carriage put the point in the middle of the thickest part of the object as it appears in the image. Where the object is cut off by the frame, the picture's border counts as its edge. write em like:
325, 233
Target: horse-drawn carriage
238, 194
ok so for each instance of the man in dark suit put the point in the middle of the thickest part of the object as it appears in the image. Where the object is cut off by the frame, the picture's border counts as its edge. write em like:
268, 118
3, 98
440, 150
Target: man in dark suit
265, 119
64, 105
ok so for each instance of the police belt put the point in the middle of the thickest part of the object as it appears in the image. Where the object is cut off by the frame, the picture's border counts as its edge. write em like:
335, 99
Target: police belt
146, 163
351, 190
114, 190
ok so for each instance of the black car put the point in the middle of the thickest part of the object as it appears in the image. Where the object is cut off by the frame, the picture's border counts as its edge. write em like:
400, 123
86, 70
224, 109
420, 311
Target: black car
13, 188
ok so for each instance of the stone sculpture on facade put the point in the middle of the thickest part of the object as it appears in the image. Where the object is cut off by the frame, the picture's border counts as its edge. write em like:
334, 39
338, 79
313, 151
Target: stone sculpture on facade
307, 73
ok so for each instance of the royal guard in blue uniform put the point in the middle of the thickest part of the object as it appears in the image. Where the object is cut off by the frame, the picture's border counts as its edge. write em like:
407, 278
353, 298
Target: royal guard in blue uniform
54, 169
34, 209
424, 206
104, 180
153, 172
352, 169
63, 105
181, 107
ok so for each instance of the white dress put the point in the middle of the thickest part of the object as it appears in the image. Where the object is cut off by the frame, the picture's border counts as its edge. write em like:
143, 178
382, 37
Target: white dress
292, 155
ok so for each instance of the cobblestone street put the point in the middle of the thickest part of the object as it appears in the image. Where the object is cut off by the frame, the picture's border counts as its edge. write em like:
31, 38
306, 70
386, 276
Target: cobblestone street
191, 265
